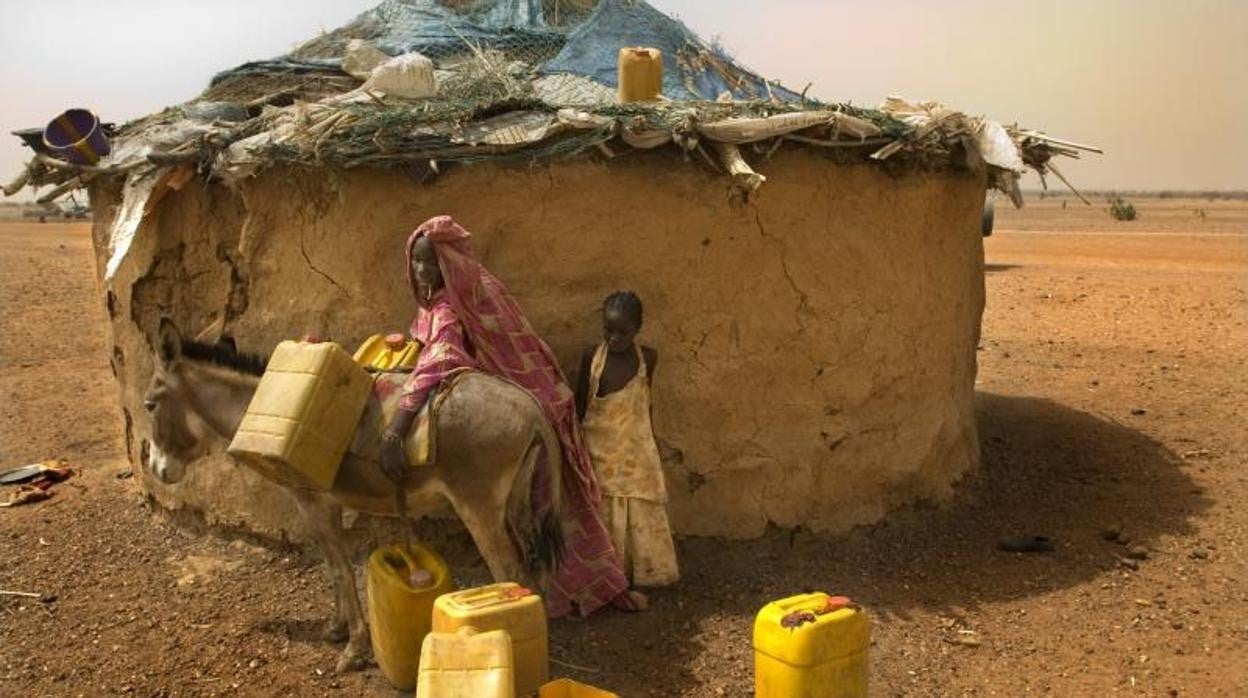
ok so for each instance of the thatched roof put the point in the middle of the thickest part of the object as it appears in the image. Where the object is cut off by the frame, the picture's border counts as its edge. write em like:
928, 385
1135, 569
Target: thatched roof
532, 80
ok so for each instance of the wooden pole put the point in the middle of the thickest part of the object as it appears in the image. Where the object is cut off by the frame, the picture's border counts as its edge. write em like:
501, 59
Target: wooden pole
1055, 171
27, 594
68, 186
1058, 141
18, 182
837, 144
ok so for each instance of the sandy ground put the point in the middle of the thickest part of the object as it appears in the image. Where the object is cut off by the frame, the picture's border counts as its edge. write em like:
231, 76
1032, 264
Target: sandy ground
1112, 394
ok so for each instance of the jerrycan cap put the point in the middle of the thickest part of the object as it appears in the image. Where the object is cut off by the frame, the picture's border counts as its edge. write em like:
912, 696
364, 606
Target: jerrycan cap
396, 341
797, 619
836, 603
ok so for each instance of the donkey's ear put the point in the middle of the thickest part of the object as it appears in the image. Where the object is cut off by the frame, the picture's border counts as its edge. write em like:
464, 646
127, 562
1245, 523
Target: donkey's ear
170, 341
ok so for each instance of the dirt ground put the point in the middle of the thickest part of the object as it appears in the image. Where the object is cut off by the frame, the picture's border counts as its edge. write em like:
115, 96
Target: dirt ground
1111, 399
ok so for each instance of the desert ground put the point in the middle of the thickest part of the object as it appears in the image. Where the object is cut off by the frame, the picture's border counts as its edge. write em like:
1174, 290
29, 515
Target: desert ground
1112, 394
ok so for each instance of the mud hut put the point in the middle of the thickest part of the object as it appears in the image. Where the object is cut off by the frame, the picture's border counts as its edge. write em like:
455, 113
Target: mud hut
812, 272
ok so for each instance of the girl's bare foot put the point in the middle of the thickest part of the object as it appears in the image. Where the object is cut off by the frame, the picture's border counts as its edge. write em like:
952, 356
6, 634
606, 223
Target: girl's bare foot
631, 600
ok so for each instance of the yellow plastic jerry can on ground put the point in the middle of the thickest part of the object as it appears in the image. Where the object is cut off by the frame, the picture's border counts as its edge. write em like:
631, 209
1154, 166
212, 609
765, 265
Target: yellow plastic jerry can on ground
387, 352
398, 612
467, 664
811, 645
304, 414
505, 606
567, 688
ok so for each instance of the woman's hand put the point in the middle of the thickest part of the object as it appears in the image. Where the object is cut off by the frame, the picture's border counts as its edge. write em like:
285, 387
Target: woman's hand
393, 446
393, 456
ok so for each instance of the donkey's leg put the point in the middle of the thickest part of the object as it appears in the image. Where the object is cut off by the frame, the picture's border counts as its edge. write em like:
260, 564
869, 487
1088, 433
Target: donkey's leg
486, 521
317, 511
324, 517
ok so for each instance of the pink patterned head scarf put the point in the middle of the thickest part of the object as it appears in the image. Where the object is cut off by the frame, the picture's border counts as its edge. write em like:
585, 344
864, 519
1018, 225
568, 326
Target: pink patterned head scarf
501, 337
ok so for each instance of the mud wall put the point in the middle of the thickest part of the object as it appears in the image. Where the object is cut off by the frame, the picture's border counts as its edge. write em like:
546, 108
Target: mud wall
817, 344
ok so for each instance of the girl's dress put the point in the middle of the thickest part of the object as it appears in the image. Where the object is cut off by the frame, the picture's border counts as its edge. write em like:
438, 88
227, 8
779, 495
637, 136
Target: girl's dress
621, 445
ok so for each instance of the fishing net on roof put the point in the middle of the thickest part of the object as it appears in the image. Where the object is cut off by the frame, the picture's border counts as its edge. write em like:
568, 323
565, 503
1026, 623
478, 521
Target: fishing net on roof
526, 30
577, 37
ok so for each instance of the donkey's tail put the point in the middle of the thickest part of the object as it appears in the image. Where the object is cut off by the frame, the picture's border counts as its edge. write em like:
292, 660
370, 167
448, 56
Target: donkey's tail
535, 503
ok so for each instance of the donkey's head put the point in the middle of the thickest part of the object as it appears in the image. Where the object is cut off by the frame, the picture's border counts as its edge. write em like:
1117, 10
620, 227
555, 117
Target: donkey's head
197, 391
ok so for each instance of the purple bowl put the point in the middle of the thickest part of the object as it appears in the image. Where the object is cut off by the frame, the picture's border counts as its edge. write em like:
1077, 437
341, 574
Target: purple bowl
75, 136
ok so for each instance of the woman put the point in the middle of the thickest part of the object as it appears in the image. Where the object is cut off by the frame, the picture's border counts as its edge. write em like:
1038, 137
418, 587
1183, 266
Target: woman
467, 319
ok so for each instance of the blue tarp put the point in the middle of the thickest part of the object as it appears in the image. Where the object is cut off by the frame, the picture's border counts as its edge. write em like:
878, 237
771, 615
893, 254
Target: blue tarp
592, 50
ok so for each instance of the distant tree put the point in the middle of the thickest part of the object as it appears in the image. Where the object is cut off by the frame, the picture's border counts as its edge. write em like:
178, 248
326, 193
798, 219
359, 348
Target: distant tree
1122, 210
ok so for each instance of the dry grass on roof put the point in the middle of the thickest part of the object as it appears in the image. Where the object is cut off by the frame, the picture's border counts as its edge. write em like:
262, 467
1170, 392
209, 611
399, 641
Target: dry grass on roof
281, 87
333, 43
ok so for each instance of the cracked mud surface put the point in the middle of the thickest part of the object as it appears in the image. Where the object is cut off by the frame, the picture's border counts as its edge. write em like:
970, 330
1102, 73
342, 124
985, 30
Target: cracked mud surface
828, 327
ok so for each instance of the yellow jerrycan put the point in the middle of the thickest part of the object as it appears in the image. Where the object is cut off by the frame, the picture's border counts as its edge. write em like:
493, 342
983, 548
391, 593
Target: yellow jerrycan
467, 664
304, 414
387, 352
811, 645
504, 606
402, 585
567, 688
640, 74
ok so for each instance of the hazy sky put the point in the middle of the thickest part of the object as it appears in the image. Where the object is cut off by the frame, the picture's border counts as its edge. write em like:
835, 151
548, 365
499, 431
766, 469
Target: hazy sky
1160, 85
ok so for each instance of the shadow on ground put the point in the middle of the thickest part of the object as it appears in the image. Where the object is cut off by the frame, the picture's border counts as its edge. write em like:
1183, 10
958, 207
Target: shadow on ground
991, 268
1047, 469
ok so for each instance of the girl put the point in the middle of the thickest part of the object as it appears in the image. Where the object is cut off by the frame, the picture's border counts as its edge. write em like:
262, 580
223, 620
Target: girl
613, 400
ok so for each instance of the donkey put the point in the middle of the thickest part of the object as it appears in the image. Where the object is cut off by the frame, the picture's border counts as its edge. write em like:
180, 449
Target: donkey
492, 440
